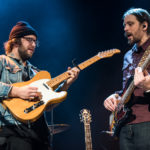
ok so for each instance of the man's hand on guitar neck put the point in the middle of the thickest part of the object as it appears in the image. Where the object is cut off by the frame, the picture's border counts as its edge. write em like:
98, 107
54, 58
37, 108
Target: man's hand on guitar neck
111, 102
142, 79
73, 73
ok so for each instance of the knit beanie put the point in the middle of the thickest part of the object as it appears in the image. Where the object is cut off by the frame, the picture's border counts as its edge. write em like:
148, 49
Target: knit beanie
21, 29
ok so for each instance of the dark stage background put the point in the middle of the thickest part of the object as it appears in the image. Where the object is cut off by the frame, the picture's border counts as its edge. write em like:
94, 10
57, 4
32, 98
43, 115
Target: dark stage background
78, 29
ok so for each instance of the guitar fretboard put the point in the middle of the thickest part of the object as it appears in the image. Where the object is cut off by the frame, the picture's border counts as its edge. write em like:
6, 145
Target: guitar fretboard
64, 76
144, 62
88, 140
57, 80
89, 62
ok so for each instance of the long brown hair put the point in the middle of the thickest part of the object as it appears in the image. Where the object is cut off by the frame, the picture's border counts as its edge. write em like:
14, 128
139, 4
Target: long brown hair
8, 45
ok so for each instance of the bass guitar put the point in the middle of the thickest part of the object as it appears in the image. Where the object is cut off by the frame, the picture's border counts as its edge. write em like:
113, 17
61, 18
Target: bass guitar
29, 111
121, 114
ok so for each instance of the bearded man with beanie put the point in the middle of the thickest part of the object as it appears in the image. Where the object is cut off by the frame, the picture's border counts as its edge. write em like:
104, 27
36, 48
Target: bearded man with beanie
15, 67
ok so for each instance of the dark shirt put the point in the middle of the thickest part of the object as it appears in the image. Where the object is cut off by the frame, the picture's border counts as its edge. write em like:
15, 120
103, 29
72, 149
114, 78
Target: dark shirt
139, 101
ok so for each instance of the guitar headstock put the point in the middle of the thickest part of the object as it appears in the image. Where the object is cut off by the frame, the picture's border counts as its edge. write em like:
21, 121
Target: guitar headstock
108, 53
85, 116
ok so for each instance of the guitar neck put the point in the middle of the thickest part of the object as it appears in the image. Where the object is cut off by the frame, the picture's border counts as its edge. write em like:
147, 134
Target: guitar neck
57, 80
88, 140
127, 94
89, 62
64, 76
144, 62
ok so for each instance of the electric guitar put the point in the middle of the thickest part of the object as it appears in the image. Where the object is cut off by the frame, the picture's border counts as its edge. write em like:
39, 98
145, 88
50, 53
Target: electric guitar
30, 110
85, 117
121, 114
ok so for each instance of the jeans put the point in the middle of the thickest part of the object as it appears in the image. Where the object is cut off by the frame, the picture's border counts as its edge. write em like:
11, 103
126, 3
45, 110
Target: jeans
135, 136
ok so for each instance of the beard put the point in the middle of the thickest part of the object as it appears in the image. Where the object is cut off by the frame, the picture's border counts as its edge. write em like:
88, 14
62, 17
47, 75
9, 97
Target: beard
133, 40
24, 53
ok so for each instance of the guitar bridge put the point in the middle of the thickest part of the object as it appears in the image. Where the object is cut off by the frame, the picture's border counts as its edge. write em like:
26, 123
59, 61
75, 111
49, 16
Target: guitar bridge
27, 110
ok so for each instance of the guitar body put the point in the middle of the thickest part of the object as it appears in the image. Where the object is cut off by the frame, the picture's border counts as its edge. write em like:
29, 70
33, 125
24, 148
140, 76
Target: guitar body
29, 111
118, 119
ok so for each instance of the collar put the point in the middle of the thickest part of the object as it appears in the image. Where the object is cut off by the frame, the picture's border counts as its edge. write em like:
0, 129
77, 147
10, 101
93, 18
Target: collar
12, 56
143, 47
18, 60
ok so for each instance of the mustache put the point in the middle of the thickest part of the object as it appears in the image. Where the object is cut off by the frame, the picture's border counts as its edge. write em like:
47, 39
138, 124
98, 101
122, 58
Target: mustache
32, 48
126, 34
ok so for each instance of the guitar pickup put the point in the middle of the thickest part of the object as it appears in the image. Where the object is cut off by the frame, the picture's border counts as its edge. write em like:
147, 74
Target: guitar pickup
46, 86
27, 110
